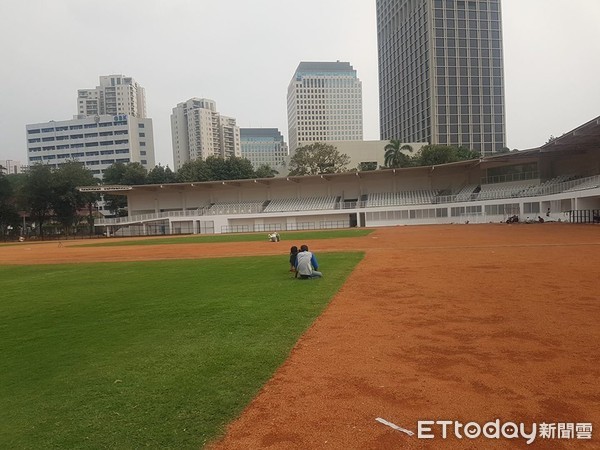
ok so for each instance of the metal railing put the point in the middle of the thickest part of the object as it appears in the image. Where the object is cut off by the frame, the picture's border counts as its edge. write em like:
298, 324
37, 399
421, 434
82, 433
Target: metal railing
526, 191
350, 205
510, 177
151, 216
235, 208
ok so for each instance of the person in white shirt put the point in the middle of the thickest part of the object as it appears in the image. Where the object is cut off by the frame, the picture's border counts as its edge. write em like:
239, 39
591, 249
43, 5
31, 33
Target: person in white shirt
306, 264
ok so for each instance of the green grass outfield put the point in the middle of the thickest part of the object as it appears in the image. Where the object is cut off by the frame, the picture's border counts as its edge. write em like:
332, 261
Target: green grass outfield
293, 237
159, 354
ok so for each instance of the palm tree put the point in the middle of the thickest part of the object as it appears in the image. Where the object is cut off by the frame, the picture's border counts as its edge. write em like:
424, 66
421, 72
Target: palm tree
394, 156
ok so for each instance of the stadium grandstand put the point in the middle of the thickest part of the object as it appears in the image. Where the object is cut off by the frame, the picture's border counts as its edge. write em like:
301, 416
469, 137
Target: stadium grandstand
559, 181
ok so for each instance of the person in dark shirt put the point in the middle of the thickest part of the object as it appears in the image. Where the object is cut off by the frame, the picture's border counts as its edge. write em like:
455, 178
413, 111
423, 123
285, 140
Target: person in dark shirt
293, 255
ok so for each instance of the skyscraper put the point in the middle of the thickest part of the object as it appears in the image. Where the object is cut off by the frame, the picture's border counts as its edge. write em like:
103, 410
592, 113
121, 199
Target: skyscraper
199, 131
116, 94
441, 74
324, 104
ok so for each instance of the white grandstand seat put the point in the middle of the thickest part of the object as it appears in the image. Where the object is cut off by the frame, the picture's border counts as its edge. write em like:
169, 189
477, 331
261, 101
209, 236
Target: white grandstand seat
413, 197
301, 204
219, 208
466, 192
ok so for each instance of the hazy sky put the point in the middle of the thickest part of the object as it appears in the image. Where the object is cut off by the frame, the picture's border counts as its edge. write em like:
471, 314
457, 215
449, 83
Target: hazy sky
242, 54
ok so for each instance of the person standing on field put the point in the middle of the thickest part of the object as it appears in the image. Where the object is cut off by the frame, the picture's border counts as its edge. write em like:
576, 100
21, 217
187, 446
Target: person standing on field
306, 264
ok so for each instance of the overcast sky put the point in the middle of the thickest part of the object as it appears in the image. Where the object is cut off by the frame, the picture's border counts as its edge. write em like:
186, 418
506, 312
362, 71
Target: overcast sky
242, 54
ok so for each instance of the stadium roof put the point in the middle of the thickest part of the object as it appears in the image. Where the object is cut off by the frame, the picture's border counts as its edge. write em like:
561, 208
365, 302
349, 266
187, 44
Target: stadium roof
583, 138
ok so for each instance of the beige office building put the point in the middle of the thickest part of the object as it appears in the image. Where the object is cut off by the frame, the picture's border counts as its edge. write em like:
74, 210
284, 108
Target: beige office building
199, 131
324, 103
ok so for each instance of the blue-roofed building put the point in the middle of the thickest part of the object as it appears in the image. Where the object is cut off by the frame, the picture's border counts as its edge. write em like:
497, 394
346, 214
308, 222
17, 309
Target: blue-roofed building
264, 146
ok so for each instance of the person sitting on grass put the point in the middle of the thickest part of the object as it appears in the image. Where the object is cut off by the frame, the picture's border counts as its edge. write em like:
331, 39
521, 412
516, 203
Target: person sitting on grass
306, 264
293, 255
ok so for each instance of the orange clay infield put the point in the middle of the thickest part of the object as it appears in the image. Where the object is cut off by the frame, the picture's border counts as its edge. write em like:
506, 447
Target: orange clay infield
448, 322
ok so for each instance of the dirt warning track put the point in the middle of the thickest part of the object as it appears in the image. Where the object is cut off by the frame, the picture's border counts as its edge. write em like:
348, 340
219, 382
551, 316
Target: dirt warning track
468, 323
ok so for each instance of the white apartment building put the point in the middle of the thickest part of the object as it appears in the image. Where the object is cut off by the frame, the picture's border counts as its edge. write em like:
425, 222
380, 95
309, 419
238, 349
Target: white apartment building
199, 131
324, 104
264, 146
116, 94
11, 167
97, 142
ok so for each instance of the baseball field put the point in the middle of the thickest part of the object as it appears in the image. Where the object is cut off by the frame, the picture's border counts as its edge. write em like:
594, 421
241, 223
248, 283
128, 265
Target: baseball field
185, 344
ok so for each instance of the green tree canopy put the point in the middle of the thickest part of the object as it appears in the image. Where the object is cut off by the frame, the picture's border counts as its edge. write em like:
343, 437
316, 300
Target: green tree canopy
433, 155
125, 174
160, 174
37, 194
9, 216
129, 174
66, 199
195, 170
232, 168
464, 154
318, 158
215, 168
366, 166
395, 156
265, 171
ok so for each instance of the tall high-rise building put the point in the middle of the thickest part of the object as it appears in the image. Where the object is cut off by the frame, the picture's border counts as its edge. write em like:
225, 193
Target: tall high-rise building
116, 94
441, 72
264, 146
324, 103
199, 131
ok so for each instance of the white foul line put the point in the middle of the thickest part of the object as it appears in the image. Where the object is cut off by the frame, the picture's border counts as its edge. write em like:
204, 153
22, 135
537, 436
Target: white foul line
394, 426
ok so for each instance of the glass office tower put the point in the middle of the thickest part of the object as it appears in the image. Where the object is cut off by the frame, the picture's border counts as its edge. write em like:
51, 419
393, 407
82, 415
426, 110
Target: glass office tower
441, 72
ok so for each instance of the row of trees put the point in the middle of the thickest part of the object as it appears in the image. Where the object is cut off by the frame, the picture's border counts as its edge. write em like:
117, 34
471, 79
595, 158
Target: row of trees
322, 158
210, 169
43, 193
428, 155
